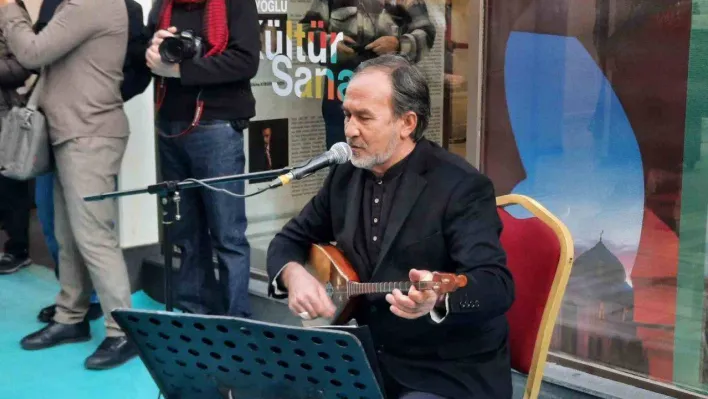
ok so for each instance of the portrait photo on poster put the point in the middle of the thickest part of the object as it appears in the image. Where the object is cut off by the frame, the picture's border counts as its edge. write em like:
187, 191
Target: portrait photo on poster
268, 146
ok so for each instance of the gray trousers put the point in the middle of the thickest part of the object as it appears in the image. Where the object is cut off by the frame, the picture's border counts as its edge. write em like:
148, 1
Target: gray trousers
89, 250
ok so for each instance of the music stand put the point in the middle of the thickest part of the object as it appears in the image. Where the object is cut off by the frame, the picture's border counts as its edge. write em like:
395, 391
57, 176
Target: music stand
195, 357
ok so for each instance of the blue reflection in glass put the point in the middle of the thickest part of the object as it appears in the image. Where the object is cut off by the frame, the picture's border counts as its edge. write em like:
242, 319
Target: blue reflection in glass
576, 144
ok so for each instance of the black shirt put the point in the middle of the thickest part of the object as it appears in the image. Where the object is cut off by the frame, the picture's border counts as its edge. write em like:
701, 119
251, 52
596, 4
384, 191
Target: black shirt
225, 78
377, 201
378, 197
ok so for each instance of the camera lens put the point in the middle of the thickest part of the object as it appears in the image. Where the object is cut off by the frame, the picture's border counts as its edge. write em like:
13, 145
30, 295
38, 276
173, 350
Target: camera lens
172, 50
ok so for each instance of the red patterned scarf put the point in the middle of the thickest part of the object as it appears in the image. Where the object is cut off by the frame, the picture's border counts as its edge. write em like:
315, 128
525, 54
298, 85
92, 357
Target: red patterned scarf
216, 27
215, 22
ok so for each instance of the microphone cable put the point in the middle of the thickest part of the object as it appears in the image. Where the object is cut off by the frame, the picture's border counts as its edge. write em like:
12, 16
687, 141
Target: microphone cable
225, 191
339, 153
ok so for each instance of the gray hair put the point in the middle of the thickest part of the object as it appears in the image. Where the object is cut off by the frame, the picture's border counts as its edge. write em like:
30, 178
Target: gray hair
410, 88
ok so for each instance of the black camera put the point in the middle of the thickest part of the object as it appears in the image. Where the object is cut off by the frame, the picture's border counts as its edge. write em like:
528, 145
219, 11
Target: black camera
182, 46
362, 51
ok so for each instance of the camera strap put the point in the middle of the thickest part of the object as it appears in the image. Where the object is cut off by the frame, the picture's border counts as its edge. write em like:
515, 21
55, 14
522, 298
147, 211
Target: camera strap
161, 89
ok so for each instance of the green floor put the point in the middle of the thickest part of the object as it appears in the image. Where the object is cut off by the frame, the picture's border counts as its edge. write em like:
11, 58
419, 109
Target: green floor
58, 372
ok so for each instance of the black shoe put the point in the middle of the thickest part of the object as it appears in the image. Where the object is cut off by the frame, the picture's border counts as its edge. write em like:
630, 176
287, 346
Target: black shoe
46, 315
56, 334
10, 263
112, 352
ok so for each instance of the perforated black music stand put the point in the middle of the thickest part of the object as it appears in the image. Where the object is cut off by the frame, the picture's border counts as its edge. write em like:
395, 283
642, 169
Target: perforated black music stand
195, 357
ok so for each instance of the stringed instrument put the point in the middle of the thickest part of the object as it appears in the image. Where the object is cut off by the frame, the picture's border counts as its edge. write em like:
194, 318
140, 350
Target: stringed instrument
333, 270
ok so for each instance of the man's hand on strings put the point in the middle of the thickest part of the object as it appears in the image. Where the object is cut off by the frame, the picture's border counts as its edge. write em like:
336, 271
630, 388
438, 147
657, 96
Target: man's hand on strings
417, 303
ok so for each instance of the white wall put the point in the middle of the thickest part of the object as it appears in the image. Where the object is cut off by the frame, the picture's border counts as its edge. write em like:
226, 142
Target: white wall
138, 220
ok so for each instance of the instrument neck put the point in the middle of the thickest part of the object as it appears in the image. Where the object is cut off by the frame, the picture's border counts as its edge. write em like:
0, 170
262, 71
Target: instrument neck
354, 289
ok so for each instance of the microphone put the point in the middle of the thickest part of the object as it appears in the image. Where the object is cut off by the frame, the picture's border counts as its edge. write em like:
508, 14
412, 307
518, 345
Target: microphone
339, 153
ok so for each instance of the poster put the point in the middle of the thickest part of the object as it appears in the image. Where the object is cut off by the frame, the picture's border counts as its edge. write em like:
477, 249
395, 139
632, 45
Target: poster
289, 128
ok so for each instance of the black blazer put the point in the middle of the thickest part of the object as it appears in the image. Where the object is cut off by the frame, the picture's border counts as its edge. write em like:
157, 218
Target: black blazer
444, 219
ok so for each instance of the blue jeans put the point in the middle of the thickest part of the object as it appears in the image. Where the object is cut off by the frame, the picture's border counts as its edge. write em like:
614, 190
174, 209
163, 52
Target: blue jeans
211, 222
44, 199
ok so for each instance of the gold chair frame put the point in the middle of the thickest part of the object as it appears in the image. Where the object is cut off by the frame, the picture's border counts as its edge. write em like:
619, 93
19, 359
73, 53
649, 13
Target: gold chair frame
555, 296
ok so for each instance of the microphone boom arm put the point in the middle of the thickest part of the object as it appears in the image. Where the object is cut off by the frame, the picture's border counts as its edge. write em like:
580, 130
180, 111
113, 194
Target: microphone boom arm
168, 192
165, 187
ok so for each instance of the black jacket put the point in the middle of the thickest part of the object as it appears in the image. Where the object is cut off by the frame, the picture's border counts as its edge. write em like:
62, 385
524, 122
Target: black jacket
225, 79
444, 219
136, 74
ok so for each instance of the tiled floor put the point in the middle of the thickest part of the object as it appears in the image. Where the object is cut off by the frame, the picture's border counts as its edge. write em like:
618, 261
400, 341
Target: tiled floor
58, 372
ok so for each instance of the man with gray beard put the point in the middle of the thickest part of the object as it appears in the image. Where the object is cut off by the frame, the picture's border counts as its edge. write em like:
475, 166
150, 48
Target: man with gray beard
404, 204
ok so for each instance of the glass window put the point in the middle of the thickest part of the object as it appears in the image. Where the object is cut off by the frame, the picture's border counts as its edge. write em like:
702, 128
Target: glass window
596, 108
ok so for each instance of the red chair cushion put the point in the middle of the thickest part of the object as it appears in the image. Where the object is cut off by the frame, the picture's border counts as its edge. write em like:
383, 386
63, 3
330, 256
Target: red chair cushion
533, 252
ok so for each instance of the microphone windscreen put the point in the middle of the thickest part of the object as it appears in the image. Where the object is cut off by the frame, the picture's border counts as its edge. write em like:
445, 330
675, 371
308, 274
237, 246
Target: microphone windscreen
342, 152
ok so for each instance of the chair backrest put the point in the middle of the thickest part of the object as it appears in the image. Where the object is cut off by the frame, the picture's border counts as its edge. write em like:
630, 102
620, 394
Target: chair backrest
539, 255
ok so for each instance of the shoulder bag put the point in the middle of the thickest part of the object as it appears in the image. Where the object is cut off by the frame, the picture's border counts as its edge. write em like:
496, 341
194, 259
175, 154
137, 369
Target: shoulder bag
25, 148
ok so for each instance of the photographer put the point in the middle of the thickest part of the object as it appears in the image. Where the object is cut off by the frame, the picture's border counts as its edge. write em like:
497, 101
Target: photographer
371, 28
204, 53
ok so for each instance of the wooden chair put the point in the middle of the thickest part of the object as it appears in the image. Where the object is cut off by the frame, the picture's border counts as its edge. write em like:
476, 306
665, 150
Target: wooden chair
539, 255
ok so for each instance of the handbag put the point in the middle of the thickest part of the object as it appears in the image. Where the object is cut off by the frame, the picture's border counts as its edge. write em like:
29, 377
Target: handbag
25, 148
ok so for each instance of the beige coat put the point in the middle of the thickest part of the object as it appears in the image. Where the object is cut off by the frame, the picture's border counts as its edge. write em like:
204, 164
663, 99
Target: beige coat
83, 49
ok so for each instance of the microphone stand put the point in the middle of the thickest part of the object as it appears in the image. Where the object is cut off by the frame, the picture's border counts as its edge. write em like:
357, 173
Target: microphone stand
169, 194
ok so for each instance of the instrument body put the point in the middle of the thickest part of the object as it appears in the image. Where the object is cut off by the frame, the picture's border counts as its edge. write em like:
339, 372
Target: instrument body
332, 269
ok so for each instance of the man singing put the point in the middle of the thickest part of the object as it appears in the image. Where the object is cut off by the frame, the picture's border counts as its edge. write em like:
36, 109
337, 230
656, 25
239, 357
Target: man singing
204, 103
402, 209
